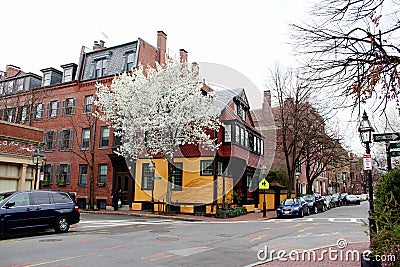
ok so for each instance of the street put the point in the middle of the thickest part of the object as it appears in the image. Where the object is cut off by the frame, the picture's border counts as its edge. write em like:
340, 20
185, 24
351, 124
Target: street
117, 240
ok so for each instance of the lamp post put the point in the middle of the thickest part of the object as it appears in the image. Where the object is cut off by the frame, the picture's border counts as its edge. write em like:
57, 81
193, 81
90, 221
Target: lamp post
297, 184
366, 130
263, 170
152, 169
37, 156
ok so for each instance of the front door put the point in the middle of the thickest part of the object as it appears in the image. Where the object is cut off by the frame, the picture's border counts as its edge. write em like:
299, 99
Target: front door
124, 182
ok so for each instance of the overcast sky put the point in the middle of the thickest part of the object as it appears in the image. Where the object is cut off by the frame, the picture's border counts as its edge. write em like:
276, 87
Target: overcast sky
248, 36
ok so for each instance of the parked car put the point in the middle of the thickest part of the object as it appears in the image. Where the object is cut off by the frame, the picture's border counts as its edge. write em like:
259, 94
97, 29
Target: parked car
364, 197
352, 199
37, 209
335, 200
327, 202
315, 202
343, 201
293, 207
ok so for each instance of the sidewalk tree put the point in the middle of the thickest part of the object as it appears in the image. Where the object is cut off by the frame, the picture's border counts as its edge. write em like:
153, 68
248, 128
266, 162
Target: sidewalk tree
352, 48
156, 110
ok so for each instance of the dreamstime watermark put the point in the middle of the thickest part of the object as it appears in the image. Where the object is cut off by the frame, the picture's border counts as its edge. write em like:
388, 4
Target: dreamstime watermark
340, 252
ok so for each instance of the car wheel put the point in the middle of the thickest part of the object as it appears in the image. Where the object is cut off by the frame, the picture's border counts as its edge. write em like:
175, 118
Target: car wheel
2, 233
62, 225
301, 213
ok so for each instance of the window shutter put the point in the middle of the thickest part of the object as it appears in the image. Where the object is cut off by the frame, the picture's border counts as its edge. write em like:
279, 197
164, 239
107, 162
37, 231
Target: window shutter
60, 140
58, 172
54, 140
73, 106
68, 173
58, 107
45, 140
70, 138
51, 173
48, 109
63, 108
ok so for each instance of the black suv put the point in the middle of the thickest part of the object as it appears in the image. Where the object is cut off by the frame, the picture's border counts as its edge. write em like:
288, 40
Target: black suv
37, 209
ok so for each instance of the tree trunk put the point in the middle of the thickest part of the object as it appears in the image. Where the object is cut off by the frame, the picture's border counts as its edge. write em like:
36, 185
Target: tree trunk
168, 197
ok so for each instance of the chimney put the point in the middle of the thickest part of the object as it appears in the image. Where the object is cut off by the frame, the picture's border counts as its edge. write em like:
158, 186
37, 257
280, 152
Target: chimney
161, 46
266, 100
12, 71
183, 55
98, 45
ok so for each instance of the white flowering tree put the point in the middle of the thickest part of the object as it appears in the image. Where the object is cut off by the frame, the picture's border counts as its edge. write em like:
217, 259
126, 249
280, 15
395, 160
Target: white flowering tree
156, 110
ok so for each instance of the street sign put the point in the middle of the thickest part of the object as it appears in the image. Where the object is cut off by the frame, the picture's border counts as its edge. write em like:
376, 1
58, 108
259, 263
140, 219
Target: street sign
386, 137
394, 145
367, 162
395, 153
263, 184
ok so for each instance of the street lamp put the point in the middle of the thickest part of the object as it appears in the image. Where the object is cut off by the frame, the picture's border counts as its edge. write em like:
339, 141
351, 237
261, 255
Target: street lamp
263, 171
37, 156
297, 184
152, 169
366, 130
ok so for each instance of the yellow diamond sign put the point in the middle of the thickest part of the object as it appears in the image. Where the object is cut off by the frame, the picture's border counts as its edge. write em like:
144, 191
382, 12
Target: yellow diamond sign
263, 184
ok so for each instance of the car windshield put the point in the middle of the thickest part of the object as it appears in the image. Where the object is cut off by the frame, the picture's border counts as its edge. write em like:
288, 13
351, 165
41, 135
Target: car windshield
308, 198
290, 201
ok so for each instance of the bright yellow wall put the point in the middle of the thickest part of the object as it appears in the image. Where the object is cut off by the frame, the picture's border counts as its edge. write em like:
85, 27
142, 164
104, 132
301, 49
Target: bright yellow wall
195, 188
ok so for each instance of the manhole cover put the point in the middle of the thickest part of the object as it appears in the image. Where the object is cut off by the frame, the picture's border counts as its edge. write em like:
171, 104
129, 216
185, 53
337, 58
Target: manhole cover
50, 240
159, 231
224, 235
167, 238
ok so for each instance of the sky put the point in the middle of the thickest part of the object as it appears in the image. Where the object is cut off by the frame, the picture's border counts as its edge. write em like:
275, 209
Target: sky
248, 36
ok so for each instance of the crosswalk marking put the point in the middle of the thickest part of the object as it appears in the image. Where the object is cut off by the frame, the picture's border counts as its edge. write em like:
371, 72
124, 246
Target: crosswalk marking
329, 220
115, 223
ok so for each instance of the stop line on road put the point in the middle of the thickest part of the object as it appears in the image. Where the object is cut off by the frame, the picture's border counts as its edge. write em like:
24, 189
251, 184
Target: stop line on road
329, 220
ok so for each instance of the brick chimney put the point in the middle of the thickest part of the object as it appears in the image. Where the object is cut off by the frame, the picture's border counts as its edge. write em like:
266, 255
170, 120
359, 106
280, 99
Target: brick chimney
161, 46
266, 100
183, 55
98, 45
12, 71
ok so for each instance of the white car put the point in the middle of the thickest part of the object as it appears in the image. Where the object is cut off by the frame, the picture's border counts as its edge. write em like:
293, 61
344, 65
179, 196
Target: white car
352, 199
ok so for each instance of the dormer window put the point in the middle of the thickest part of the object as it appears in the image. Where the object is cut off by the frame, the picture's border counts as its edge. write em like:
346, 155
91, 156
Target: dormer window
69, 71
67, 75
101, 67
46, 79
130, 61
20, 85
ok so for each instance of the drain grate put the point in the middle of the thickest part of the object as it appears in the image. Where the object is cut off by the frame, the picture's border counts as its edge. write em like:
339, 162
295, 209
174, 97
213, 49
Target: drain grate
50, 240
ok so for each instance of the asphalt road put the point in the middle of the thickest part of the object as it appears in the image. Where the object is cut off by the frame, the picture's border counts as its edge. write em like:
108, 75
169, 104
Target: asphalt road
116, 240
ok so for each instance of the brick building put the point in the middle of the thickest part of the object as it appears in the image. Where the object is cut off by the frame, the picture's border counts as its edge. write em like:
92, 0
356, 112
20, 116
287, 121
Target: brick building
17, 144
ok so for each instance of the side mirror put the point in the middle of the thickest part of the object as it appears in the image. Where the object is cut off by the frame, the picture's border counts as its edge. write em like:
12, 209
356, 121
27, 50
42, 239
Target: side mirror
9, 205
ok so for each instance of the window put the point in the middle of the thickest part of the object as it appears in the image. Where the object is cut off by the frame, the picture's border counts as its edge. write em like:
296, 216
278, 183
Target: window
9, 114
147, 181
298, 166
20, 85
101, 67
83, 170
67, 75
2, 88
21, 200
40, 198
65, 140
117, 140
104, 136
177, 176
50, 140
38, 112
22, 113
237, 134
88, 103
61, 197
52, 109
130, 59
227, 132
249, 180
206, 167
68, 106
48, 174
242, 137
10, 87
63, 174
240, 111
46, 79
85, 138
246, 138
102, 177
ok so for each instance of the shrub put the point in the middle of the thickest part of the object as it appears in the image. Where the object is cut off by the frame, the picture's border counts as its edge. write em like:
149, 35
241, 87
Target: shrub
230, 213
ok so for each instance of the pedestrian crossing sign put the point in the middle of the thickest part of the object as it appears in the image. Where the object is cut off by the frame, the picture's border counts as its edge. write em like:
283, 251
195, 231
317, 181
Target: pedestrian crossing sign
263, 184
